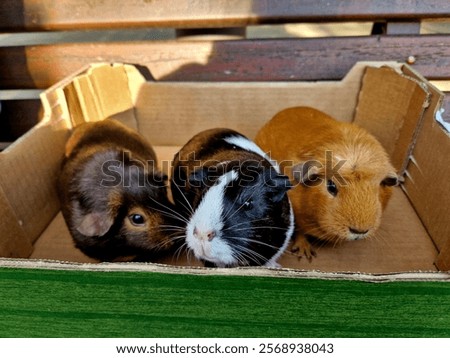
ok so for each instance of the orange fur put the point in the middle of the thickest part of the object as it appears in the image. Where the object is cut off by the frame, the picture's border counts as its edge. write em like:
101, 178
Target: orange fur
306, 142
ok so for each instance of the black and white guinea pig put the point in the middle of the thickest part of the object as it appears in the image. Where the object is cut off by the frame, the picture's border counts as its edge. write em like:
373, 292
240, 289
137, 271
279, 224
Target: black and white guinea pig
113, 198
234, 198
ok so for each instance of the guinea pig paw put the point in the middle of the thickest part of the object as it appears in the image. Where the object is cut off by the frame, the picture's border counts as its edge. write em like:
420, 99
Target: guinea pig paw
302, 248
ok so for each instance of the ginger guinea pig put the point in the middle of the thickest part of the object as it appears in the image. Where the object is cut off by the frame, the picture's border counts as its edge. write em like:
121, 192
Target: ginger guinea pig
234, 199
342, 176
113, 198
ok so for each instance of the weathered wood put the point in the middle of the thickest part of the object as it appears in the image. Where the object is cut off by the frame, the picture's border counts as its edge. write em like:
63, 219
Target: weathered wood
51, 15
244, 60
403, 28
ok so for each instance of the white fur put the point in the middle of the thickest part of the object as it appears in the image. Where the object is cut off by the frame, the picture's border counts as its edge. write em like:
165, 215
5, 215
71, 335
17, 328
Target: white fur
250, 146
355, 237
207, 217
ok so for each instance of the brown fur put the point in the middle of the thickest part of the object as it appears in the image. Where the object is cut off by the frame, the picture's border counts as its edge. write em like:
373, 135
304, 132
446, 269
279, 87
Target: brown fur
99, 211
312, 148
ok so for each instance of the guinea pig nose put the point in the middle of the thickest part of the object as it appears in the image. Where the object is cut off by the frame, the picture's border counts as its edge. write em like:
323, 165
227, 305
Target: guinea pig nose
211, 235
357, 231
205, 235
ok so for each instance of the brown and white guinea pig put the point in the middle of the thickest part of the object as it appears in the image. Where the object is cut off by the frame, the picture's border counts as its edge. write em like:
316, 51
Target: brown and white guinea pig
234, 200
113, 198
342, 176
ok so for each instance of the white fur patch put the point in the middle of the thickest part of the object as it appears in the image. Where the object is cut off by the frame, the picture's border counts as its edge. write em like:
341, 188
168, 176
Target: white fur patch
207, 218
250, 146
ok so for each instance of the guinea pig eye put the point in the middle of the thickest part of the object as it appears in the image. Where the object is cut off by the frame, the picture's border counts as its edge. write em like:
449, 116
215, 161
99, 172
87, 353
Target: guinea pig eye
390, 181
137, 219
331, 187
248, 205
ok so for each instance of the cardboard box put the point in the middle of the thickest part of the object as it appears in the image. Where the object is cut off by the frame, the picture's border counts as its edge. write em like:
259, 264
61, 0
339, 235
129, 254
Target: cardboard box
392, 101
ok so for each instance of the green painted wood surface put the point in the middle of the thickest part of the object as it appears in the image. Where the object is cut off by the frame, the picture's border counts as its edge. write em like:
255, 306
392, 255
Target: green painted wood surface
47, 303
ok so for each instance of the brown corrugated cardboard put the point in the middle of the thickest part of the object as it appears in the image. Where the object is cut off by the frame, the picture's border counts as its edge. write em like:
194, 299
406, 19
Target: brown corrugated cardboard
427, 183
14, 242
192, 107
391, 106
168, 114
29, 169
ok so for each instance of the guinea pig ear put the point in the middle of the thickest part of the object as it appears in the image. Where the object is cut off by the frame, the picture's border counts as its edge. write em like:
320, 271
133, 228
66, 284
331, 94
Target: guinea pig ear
97, 221
95, 224
278, 184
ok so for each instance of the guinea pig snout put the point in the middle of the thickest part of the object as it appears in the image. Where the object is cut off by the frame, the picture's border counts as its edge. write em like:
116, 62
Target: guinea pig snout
204, 234
357, 233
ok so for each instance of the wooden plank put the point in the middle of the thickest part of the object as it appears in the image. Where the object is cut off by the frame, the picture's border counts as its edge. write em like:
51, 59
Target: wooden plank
50, 15
245, 60
19, 94
403, 28
77, 36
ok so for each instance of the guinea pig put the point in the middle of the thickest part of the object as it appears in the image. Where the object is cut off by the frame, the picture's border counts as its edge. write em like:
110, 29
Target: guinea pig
342, 175
113, 198
234, 199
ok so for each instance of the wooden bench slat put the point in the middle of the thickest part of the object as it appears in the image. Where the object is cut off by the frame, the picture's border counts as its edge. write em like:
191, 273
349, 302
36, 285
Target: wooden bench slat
75, 14
244, 60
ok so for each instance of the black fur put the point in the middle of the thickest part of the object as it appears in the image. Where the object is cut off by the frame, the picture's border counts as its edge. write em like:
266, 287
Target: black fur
256, 213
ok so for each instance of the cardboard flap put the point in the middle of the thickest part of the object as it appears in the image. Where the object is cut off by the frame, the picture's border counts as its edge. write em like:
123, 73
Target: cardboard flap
391, 107
29, 170
98, 92
427, 184
14, 242
106, 87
